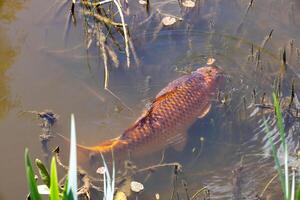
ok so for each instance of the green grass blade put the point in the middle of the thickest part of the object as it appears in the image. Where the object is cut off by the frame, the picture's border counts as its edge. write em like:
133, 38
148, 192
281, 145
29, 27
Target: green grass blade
298, 173
280, 126
43, 172
34, 194
54, 190
108, 181
279, 119
72, 184
275, 156
293, 185
65, 194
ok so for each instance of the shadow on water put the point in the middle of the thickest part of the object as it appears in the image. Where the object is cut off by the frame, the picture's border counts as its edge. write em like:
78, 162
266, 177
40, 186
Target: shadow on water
227, 151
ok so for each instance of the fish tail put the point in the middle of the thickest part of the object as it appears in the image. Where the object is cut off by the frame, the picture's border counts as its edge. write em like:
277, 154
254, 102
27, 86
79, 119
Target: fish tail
83, 152
87, 154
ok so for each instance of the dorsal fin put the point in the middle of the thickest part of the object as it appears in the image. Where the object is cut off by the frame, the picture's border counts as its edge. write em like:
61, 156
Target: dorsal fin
163, 96
172, 86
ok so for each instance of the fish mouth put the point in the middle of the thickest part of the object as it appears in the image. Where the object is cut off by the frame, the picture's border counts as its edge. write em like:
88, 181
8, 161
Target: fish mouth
220, 76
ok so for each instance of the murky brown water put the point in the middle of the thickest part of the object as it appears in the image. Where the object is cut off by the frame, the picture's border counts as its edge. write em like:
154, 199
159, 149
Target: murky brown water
40, 70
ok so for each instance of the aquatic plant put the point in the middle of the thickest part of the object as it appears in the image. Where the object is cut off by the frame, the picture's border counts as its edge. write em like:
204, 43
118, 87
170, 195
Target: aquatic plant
51, 184
282, 173
108, 181
54, 191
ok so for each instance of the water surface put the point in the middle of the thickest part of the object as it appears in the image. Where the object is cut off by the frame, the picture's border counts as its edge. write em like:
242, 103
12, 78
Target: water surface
42, 68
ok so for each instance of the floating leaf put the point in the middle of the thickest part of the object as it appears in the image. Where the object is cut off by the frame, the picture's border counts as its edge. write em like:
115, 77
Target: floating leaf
100, 170
43, 172
157, 196
34, 195
188, 4
168, 21
54, 191
136, 186
143, 2
120, 196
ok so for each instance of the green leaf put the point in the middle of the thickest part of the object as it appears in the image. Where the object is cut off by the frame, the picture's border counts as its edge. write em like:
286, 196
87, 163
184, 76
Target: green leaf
54, 190
34, 195
280, 125
72, 184
43, 172
67, 195
70, 195
64, 193
275, 156
298, 193
279, 118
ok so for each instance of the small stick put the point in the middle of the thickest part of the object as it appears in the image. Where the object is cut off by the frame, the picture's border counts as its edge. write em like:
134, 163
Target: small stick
104, 19
176, 164
268, 184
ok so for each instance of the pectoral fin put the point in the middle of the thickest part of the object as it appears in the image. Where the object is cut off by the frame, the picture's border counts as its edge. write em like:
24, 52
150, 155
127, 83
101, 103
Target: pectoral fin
205, 111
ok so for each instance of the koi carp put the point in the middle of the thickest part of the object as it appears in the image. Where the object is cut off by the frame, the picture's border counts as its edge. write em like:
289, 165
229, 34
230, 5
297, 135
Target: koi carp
166, 121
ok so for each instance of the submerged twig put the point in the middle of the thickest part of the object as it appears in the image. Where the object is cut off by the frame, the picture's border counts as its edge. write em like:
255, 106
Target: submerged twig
102, 18
268, 184
240, 26
118, 5
178, 165
199, 192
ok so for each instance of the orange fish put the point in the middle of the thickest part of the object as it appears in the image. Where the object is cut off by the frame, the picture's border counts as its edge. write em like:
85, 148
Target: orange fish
166, 121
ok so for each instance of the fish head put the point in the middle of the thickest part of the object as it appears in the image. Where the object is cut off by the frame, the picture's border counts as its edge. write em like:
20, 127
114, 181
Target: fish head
213, 75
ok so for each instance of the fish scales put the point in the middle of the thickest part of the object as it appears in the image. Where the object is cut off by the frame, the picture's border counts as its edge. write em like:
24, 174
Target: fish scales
172, 112
164, 115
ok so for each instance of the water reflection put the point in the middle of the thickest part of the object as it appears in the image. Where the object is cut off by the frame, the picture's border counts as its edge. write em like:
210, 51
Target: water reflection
8, 52
8, 9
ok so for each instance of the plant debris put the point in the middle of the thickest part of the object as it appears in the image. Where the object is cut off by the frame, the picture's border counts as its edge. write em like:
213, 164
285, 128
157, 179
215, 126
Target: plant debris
101, 170
143, 2
188, 4
136, 186
168, 21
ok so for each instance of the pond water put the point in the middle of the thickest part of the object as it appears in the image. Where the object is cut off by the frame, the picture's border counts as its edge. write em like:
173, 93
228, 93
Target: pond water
45, 65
